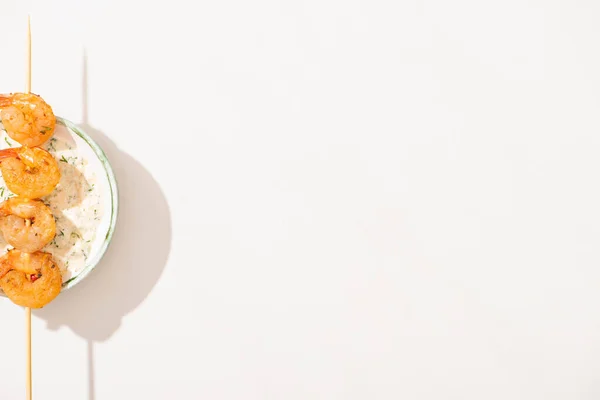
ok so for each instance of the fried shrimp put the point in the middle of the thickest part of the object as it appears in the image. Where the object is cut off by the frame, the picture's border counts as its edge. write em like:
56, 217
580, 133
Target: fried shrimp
27, 225
29, 172
27, 118
30, 279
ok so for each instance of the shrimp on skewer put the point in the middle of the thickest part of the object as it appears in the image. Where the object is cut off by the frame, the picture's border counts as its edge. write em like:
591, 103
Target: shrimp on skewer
28, 119
29, 279
29, 172
27, 225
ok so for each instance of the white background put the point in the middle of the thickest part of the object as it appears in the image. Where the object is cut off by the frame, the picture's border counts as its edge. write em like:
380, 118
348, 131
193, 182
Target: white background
325, 199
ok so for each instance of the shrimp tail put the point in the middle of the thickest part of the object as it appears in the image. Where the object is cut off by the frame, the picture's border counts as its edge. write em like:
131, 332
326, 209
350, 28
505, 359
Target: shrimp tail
4, 268
5, 211
5, 100
9, 153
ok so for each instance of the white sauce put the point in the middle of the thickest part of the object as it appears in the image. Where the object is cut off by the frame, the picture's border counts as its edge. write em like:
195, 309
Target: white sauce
75, 202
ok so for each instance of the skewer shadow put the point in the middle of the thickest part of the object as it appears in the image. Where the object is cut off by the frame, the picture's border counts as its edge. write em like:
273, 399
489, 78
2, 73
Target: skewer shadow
95, 308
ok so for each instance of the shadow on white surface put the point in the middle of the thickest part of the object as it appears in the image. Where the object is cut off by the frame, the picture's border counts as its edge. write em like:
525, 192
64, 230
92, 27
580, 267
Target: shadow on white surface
94, 309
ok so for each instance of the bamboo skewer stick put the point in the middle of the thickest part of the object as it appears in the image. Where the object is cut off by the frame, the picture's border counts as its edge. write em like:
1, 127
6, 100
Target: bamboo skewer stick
28, 344
28, 81
27, 309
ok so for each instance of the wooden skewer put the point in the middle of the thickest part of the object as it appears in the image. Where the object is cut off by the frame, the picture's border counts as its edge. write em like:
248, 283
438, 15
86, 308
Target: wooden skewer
27, 309
28, 81
28, 344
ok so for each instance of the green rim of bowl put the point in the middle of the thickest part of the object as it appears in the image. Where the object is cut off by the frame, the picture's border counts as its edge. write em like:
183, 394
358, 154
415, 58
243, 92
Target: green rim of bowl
114, 194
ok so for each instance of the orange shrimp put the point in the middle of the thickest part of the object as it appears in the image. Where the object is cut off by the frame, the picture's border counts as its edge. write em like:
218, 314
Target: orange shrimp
27, 118
29, 172
30, 279
27, 225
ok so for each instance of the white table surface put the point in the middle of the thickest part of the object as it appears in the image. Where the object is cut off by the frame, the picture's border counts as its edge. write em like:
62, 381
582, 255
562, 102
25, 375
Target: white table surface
326, 199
